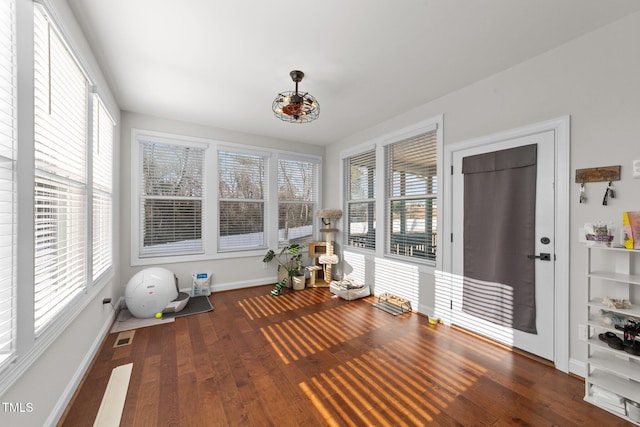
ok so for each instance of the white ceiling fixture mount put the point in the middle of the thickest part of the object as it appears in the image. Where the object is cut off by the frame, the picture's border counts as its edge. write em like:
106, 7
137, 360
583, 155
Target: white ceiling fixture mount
296, 107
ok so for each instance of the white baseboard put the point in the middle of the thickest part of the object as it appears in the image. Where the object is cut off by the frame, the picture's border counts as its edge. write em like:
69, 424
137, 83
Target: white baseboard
72, 386
426, 310
243, 284
577, 367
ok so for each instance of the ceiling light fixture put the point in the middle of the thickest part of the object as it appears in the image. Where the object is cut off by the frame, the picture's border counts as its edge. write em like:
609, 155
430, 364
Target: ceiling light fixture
295, 107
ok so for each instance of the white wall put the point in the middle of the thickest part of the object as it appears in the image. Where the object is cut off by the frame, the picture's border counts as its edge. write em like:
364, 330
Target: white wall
226, 273
596, 80
50, 380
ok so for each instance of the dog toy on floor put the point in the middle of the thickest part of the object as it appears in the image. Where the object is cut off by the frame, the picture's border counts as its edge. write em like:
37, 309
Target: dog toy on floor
277, 288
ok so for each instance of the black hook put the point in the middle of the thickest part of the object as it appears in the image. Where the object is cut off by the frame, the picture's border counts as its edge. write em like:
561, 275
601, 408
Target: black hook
607, 193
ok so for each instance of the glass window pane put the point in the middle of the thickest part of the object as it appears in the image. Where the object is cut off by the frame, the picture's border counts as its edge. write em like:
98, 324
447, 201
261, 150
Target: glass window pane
103, 132
171, 199
61, 146
411, 188
242, 176
413, 228
8, 146
242, 188
241, 225
297, 196
295, 222
360, 190
361, 218
172, 226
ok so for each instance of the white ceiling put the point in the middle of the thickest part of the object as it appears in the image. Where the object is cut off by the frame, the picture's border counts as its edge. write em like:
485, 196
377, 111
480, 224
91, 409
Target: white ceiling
221, 62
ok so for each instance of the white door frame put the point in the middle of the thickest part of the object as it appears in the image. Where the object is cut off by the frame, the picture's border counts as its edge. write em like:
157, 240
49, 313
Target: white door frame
561, 129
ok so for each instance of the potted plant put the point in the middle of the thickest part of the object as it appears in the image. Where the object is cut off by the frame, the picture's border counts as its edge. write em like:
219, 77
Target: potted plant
289, 259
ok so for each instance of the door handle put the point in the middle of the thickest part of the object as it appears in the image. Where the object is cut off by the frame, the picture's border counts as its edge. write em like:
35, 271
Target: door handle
542, 257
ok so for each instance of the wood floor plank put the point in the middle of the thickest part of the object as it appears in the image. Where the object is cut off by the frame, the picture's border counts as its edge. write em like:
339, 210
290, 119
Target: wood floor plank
110, 411
147, 393
307, 358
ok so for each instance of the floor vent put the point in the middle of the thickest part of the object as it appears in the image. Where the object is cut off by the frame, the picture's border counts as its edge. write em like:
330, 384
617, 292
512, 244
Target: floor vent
124, 338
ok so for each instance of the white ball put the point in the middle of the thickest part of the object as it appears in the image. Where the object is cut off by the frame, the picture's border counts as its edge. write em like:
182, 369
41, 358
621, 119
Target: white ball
149, 291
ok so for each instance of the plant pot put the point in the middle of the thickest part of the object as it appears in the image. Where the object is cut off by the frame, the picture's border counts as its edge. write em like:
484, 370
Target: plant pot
298, 282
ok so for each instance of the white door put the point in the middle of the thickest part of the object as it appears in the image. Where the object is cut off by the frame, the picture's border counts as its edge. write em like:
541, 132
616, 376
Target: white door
542, 343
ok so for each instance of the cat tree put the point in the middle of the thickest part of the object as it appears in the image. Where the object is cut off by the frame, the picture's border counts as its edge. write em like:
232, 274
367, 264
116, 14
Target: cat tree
329, 218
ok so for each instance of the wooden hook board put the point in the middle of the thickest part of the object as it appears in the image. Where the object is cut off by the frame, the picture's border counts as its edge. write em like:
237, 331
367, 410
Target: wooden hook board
606, 173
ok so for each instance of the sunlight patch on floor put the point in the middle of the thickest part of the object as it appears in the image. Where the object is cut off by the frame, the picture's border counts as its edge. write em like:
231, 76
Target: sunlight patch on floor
423, 383
316, 332
267, 305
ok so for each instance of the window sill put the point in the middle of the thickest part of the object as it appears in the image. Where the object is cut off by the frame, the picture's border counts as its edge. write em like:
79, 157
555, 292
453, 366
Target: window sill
175, 258
424, 266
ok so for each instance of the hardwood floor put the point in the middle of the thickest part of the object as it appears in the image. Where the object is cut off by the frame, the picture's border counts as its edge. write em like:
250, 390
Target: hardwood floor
306, 358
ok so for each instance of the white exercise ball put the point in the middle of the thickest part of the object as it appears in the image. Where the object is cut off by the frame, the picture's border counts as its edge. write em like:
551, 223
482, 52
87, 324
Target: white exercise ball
149, 291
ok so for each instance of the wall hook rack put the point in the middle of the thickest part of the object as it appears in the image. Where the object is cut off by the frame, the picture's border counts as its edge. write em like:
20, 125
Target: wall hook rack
601, 174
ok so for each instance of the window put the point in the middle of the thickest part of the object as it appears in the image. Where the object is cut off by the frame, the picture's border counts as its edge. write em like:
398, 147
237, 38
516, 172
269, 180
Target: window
242, 193
8, 74
60, 127
360, 193
257, 193
171, 198
411, 189
48, 178
297, 200
102, 188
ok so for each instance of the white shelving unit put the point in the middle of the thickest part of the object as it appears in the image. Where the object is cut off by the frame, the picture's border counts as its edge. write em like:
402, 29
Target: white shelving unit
611, 273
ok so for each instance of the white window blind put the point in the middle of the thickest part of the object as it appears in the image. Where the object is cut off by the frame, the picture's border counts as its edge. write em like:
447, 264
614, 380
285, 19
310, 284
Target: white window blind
60, 127
102, 188
297, 200
411, 190
242, 191
360, 192
171, 198
8, 117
